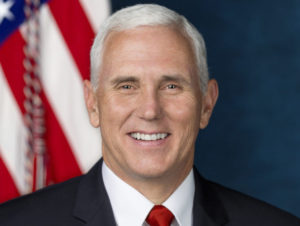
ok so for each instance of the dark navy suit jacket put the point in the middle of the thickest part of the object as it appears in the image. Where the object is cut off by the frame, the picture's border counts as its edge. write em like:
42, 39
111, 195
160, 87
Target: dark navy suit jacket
84, 201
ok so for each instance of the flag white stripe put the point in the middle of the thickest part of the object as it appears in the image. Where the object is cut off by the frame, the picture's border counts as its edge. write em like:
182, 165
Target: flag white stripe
96, 11
12, 134
63, 87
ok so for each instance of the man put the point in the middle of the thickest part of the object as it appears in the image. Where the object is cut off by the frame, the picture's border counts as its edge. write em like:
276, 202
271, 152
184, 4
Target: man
150, 94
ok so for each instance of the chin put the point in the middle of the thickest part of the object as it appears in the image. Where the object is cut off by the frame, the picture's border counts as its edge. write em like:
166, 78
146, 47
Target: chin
150, 171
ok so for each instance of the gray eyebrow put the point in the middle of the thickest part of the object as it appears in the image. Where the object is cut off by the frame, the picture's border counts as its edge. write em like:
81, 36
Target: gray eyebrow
165, 78
121, 79
174, 78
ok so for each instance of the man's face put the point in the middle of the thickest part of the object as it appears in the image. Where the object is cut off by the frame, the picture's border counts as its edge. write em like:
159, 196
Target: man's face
148, 104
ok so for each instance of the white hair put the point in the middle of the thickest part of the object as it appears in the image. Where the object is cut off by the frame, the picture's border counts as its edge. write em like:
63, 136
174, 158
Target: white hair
149, 15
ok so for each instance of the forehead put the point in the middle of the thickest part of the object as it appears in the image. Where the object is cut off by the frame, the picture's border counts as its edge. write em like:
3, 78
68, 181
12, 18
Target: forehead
148, 43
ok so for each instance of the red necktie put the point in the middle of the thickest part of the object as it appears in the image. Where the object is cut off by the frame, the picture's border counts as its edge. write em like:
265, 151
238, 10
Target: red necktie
159, 216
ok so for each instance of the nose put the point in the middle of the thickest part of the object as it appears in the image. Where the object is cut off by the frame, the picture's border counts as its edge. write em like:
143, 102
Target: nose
149, 107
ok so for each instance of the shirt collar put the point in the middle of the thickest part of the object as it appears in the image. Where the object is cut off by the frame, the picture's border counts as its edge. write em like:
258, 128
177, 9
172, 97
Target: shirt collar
130, 207
180, 203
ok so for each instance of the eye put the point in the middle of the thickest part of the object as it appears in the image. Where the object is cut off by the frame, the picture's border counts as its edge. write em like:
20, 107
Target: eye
171, 86
126, 87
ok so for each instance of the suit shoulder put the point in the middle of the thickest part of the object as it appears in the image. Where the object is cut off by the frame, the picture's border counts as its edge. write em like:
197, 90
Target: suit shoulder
46, 203
242, 208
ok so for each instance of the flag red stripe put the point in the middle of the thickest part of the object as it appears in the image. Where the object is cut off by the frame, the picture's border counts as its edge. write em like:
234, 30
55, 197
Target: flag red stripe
11, 59
76, 30
63, 164
62, 161
9, 189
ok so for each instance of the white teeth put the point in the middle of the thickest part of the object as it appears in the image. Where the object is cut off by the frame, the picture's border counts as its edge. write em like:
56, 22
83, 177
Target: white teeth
148, 137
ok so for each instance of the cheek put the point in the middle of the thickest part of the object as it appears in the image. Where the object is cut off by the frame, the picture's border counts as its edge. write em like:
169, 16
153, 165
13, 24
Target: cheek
113, 109
184, 117
183, 109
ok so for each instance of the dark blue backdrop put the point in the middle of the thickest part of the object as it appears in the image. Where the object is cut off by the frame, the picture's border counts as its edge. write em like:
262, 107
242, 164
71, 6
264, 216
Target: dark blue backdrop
252, 143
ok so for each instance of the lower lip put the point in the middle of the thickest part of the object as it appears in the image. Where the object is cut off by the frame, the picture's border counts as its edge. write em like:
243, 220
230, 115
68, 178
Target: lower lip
150, 143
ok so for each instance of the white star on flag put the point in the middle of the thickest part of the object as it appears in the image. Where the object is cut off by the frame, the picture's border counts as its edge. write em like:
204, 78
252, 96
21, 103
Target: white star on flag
5, 10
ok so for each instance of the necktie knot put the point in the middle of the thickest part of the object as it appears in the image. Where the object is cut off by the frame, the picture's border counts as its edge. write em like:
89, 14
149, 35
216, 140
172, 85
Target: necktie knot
159, 216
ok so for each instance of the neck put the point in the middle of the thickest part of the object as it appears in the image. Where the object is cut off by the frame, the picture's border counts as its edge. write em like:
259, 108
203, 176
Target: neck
157, 189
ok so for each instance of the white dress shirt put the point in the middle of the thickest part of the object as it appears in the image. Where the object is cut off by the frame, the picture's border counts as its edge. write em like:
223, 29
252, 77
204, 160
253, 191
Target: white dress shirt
130, 207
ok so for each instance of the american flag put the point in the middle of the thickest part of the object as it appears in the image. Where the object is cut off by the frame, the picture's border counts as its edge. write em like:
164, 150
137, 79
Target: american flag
45, 135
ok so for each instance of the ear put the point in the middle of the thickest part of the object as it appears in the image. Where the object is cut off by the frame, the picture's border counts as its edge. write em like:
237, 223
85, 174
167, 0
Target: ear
91, 103
208, 102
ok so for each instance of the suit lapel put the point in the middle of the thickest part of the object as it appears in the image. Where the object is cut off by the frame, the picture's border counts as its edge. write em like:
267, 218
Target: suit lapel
208, 209
92, 205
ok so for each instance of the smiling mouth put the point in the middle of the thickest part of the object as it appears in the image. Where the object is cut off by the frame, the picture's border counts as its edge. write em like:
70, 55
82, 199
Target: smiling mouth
149, 137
